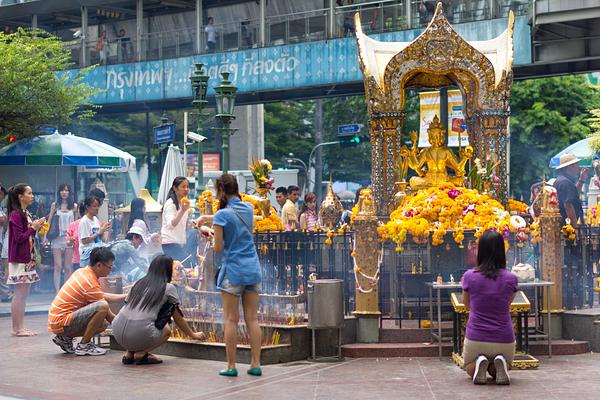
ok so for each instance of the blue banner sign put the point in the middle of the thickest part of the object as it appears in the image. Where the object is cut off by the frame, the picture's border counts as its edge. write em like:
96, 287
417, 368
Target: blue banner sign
164, 133
345, 130
286, 67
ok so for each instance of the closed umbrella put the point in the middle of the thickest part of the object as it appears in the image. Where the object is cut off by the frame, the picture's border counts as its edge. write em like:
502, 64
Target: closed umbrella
172, 169
581, 150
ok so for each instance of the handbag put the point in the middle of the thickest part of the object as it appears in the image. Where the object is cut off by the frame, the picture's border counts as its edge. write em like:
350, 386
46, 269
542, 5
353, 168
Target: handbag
54, 228
165, 314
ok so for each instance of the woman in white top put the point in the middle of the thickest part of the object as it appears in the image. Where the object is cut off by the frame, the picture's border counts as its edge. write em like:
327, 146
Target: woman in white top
62, 213
174, 219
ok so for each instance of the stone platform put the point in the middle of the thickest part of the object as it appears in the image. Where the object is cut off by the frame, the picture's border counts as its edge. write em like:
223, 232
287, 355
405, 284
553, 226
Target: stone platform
583, 325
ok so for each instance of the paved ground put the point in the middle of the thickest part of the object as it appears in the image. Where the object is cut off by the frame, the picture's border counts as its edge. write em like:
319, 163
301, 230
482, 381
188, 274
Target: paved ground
34, 368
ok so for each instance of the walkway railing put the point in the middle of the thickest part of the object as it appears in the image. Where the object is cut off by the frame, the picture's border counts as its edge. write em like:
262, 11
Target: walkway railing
376, 17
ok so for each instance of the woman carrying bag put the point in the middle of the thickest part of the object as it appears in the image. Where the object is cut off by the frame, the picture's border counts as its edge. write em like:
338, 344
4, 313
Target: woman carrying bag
240, 274
21, 253
142, 324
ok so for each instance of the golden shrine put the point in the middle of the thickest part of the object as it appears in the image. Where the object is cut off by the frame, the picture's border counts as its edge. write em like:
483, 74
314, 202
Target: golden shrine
439, 57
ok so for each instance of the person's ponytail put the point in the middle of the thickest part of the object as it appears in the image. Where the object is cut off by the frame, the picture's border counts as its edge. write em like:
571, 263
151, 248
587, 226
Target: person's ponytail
227, 186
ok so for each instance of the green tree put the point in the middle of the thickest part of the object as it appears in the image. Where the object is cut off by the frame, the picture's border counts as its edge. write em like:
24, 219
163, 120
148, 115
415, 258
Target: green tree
547, 115
289, 128
346, 163
32, 94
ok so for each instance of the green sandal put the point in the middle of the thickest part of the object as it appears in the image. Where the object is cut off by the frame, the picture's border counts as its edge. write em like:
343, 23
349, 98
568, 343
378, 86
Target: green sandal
256, 371
228, 372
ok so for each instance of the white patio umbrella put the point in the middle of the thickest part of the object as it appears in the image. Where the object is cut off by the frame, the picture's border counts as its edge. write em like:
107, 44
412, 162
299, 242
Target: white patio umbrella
172, 169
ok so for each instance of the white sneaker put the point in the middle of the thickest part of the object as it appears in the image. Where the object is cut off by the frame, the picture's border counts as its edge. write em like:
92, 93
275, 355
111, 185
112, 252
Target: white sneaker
65, 343
481, 367
502, 377
89, 349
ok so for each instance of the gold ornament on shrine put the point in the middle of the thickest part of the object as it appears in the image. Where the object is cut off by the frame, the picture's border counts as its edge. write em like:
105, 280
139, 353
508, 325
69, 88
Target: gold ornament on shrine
439, 57
431, 163
331, 209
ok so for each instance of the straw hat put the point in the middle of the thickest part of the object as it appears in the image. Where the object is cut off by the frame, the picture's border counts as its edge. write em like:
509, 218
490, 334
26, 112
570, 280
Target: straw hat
567, 159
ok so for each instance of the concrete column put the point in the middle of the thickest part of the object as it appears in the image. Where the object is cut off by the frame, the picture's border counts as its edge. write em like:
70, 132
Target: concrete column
408, 10
199, 23
83, 60
34, 22
139, 28
247, 143
262, 37
332, 27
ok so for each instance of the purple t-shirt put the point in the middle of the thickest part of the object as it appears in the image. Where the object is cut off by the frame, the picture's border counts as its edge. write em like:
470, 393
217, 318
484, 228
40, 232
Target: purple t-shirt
489, 314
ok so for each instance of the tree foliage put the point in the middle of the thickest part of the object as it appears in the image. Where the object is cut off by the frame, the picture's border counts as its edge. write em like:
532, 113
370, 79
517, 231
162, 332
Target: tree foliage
32, 94
547, 115
289, 128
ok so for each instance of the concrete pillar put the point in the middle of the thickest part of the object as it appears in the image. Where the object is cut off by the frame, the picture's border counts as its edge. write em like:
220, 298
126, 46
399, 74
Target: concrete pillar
262, 37
199, 24
34, 21
247, 143
83, 60
331, 19
139, 28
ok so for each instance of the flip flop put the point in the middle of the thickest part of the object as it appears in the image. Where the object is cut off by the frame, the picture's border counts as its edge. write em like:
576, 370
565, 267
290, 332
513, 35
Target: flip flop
148, 359
23, 333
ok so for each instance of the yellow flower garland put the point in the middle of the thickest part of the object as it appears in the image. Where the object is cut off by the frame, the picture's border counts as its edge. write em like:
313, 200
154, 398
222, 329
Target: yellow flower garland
443, 209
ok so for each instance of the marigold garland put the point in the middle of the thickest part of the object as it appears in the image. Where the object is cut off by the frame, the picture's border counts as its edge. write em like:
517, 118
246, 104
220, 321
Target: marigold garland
517, 206
261, 223
436, 211
568, 233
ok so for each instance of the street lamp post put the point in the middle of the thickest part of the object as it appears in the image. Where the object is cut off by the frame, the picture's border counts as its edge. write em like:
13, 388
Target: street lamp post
225, 99
199, 81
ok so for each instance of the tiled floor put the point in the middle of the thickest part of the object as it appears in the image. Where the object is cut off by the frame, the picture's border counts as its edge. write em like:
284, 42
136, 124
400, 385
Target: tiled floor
34, 368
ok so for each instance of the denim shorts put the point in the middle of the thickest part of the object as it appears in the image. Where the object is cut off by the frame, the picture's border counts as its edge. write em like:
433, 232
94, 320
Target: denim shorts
226, 286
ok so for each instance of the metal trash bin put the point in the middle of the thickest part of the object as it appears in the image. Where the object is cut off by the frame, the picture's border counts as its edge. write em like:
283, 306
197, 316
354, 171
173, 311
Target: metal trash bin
114, 285
325, 309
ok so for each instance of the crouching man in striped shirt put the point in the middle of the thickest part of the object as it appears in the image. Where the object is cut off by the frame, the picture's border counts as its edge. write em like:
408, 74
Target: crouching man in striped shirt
80, 308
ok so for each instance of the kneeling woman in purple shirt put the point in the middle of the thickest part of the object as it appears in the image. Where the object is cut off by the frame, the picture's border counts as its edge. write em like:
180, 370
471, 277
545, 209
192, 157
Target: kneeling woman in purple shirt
488, 291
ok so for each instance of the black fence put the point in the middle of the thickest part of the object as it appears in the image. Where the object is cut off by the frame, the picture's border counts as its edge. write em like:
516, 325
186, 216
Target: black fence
289, 258
581, 267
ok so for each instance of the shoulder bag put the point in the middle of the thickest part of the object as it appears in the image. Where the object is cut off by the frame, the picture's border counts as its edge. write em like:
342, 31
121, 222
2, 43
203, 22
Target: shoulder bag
165, 314
54, 228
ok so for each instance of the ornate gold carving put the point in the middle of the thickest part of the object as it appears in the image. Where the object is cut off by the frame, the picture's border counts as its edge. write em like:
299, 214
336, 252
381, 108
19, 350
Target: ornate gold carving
438, 57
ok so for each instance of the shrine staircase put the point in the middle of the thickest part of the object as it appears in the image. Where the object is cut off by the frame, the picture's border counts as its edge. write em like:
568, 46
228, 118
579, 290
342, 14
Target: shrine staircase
412, 341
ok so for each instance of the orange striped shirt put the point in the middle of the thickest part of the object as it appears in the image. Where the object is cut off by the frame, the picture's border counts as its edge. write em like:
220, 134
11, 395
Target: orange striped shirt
81, 289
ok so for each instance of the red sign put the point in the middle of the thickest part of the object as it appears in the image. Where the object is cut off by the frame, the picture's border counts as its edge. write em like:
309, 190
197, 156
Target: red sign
211, 162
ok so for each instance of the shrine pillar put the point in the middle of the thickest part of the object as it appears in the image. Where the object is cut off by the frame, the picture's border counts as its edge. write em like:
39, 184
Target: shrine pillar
493, 141
366, 256
386, 134
552, 259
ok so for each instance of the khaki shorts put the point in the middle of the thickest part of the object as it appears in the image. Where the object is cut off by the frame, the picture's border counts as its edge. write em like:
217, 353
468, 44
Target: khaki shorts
80, 320
472, 349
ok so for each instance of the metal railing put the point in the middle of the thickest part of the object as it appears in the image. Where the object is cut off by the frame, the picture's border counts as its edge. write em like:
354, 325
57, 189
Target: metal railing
289, 258
376, 17
298, 27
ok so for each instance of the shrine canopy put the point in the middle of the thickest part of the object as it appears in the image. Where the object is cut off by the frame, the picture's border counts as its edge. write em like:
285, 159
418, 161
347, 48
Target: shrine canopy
439, 57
